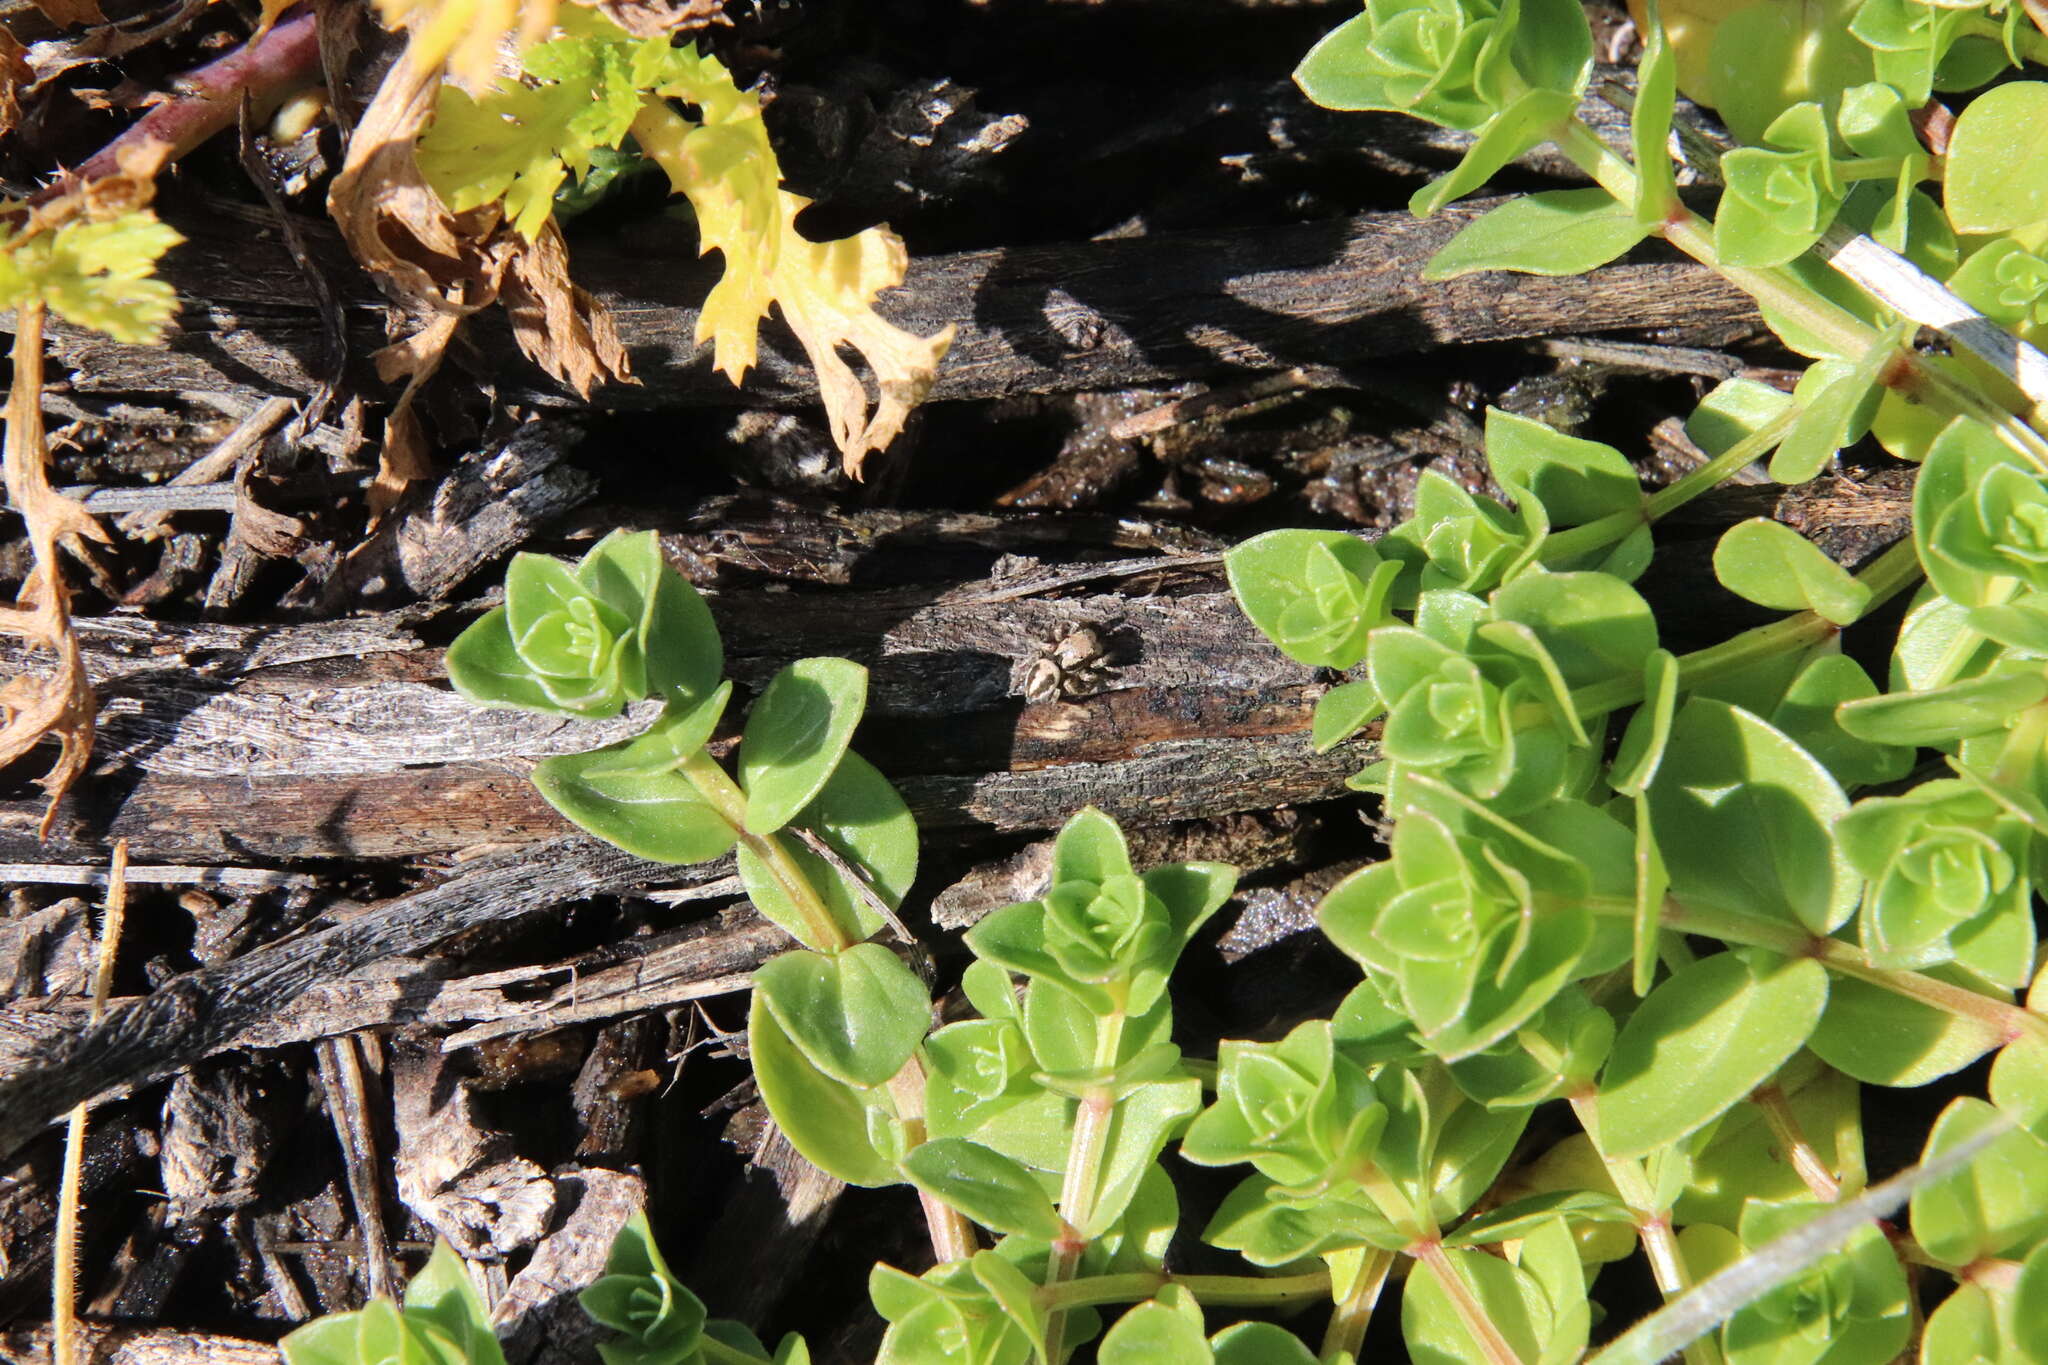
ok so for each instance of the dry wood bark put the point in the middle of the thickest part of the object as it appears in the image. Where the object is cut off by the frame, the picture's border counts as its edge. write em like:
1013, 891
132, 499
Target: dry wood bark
196, 1014
1090, 315
239, 744
139, 1346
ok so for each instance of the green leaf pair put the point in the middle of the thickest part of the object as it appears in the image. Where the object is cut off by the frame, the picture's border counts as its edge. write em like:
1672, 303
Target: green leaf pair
1170, 1327
443, 1322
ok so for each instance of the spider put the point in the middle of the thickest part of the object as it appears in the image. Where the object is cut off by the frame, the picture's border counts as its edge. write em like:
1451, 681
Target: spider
1073, 662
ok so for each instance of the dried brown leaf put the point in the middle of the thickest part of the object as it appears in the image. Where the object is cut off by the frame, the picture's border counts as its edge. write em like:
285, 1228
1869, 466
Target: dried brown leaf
60, 704
440, 266
67, 13
15, 75
560, 327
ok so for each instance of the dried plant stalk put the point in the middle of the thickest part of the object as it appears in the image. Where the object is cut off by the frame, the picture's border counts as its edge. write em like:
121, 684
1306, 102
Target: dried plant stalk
61, 703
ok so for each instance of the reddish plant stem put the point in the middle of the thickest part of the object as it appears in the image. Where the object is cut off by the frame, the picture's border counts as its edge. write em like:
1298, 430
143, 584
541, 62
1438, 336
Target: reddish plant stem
204, 101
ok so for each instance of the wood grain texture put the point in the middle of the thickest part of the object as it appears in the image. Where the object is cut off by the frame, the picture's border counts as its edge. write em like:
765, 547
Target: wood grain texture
239, 745
1086, 315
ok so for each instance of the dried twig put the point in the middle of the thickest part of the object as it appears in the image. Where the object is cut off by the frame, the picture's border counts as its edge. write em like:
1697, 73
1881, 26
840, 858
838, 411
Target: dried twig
64, 1259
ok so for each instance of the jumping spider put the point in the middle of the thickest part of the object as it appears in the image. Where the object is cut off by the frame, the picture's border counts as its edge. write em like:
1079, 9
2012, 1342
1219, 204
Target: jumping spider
1073, 662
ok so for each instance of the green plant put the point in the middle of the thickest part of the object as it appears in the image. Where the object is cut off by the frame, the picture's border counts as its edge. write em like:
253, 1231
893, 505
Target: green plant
1577, 812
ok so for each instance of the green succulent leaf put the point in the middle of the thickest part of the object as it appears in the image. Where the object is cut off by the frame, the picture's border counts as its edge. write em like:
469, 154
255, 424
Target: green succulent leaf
623, 796
1259, 1343
862, 819
1808, 712
585, 641
1512, 1300
1649, 123
1884, 1039
987, 1186
1943, 715
1774, 566
1552, 232
1757, 811
1090, 848
484, 666
1155, 1332
1578, 480
1700, 1042
679, 643
796, 734
1261, 1223
1995, 1205
1996, 176
1594, 626
1735, 410
1839, 403
1768, 59
1342, 712
824, 1118
1315, 594
857, 1015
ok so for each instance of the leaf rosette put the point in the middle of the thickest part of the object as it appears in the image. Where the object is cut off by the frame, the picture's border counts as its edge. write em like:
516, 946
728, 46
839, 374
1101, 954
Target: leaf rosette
1948, 879
2008, 284
658, 1319
1475, 924
1299, 1110
2001, 530
1459, 63
584, 641
1781, 198
1483, 722
1463, 540
1102, 932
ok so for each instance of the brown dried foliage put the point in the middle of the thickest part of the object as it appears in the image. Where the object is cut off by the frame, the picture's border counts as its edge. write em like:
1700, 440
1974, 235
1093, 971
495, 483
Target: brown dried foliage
439, 266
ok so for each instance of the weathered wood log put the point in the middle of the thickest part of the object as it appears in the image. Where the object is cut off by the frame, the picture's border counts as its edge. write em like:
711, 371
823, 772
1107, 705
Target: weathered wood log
196, 1014
1089, 315
138, 1346
234, 745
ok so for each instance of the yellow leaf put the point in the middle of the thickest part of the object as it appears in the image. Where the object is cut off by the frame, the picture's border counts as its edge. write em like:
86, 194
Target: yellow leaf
728, 171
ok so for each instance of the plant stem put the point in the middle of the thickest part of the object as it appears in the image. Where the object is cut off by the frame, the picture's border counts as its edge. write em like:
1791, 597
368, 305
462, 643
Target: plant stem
205, 100
1660, 1243
1084, 1175
1353, 1313
1579, 540
1890, 574
1784, 1126
1492, 1345
952, 1237
723, 795
1791, 301
2001, 1020
1214, 1291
